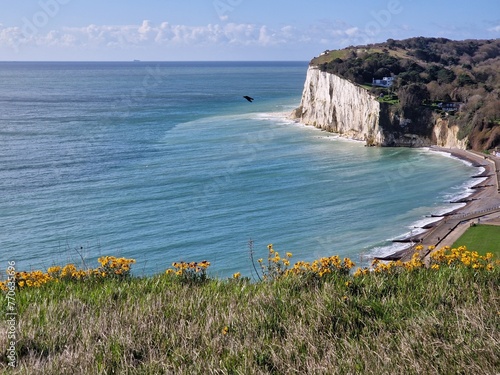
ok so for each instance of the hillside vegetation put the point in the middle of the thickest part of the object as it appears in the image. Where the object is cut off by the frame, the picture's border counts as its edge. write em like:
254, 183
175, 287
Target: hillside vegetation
307, 318
427, 72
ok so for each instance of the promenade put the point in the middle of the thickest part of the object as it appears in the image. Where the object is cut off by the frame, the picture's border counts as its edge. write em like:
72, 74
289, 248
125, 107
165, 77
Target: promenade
483, 206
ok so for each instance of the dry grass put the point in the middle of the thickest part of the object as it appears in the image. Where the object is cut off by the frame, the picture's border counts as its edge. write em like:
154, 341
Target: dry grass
411, 322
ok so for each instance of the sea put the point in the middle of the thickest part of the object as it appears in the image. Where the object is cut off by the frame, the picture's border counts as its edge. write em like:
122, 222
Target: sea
166, 161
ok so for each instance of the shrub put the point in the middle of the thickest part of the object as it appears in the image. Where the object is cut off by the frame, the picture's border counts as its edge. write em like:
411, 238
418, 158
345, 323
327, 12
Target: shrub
191, 272
111, 267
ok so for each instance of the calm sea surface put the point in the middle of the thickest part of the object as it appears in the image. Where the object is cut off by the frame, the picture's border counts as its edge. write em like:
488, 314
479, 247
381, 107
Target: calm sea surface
164, 162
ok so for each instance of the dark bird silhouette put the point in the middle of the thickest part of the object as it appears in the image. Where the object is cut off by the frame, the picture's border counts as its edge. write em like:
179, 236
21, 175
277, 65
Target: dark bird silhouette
248, 98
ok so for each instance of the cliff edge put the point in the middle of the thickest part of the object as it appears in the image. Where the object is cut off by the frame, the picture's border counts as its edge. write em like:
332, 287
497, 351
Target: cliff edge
334, 104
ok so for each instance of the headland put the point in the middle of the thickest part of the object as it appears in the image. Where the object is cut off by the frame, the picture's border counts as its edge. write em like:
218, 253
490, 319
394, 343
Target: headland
416, 93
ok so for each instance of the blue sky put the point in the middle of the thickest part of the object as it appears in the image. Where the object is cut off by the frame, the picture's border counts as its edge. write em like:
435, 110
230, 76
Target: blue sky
169, 30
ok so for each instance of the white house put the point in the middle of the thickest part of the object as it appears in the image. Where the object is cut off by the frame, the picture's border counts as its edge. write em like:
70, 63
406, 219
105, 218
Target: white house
384, 82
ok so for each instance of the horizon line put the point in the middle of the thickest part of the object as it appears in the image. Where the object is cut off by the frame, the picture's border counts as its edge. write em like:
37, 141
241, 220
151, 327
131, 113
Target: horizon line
145, 61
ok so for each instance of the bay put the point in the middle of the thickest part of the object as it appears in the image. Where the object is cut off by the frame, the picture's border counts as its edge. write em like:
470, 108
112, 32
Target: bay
163, 162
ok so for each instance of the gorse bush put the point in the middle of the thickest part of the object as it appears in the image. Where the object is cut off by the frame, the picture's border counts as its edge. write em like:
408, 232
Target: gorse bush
191, 272
276, 267
115, 267
111, 267
462, 257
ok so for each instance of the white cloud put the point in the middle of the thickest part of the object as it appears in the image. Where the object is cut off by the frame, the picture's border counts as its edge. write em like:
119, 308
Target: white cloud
145, 30
11, 36
495, 29
352, 31
264, 37
147, 33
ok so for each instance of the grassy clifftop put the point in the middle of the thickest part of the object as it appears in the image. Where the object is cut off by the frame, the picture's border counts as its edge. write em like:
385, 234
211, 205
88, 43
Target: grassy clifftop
309, 318
427, 72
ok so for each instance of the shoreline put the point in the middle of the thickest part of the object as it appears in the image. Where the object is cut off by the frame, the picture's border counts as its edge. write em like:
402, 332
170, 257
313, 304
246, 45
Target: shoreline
482, 205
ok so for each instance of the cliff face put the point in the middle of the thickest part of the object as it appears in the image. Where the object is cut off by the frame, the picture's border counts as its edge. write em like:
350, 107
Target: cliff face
334, 104
446, 135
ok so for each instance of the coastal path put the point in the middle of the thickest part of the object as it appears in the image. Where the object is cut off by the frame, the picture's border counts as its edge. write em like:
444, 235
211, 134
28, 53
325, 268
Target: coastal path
450, 223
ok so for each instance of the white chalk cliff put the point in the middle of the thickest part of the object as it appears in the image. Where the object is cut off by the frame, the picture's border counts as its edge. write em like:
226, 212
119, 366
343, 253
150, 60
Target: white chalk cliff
447, 136
334, 104
337, 105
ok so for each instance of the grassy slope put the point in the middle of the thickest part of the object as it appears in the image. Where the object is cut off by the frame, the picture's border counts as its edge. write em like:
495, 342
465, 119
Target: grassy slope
484, 237
344, 53
417, 322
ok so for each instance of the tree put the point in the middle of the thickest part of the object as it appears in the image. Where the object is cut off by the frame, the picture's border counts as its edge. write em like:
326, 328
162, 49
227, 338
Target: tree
445, 75
381, 73
465, 80
411, 98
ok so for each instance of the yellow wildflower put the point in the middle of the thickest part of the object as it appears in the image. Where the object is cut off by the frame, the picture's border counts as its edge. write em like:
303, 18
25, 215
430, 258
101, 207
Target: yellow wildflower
204, 264
358, 272
53, 269
348, 263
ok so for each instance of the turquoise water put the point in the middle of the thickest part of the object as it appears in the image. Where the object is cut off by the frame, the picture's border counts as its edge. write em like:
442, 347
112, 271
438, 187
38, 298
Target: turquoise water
164, 162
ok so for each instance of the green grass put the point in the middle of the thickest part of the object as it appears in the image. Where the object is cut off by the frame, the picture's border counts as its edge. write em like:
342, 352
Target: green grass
388, 99
416, 322
330, 56
481, 238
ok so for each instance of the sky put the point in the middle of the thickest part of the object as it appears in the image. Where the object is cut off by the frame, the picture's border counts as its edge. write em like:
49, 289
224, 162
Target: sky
227, 30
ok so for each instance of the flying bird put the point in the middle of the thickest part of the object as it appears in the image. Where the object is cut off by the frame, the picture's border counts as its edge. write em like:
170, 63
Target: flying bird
248, 98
